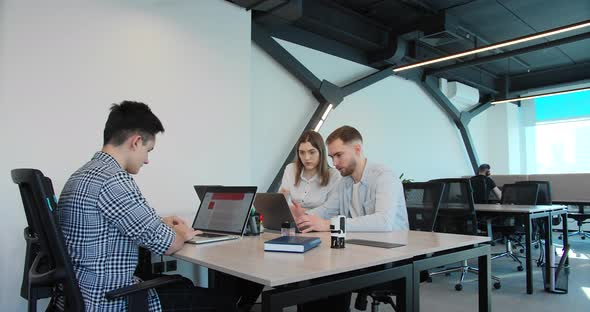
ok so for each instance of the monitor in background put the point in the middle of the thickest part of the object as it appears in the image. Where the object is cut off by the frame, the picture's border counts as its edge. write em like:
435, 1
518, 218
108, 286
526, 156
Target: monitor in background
274, 209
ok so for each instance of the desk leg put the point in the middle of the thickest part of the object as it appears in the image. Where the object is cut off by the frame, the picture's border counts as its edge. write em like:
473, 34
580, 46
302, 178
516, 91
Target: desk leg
416, 291
565, 235
528, 260
270, 305
485, 281
548, 245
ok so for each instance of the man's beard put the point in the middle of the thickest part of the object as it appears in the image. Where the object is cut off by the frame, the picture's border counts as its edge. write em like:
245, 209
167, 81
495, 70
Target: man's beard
348, 170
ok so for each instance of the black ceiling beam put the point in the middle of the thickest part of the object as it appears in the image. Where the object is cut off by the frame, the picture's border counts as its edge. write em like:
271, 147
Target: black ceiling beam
329, 20
522, 83
476, 77
290, 63
317, 42
503, 55
481, 40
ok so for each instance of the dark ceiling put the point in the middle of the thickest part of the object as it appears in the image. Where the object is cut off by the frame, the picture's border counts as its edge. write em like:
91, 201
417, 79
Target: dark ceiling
382, 33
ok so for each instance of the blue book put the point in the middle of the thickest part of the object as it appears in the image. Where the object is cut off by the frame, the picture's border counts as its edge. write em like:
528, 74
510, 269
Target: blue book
298, 244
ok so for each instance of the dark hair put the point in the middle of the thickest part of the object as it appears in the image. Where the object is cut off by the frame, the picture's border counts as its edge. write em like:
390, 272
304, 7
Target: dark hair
129, 118
316, 140
483, 167
345, 133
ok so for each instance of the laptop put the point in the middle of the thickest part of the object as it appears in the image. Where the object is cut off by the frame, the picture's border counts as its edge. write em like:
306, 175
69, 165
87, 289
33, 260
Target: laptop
223, 213
201, 189
274, 209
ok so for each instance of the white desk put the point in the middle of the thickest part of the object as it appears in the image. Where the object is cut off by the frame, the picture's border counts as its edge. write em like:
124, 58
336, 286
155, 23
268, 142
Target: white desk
324, 271
529, 212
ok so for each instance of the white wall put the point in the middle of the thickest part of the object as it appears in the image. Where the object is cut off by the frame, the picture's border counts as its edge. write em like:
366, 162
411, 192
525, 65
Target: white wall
498, 139
402, 126
63, 62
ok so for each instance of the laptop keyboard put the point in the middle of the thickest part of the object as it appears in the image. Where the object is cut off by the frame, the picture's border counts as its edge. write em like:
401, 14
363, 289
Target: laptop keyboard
210, 235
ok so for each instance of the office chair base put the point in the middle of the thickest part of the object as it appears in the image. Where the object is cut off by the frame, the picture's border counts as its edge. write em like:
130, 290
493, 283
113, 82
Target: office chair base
581, 233
464, 269
508, 253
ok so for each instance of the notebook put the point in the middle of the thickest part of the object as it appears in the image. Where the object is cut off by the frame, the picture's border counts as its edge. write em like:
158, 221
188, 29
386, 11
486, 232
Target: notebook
297, 244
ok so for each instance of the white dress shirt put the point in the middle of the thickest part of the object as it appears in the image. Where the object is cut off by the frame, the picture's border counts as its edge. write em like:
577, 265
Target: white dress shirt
381, 198
309, 193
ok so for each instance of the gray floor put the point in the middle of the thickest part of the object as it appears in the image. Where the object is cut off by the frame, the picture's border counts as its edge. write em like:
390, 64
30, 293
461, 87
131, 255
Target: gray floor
440, 295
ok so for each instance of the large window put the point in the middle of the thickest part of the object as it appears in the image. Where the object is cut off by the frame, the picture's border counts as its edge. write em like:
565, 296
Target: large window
562, 133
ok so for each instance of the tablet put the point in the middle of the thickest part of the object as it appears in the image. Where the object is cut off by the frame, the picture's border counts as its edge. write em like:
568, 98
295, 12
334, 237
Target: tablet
373, 243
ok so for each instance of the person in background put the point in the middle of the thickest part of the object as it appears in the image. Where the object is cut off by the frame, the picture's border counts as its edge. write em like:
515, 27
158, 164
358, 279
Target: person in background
484, 170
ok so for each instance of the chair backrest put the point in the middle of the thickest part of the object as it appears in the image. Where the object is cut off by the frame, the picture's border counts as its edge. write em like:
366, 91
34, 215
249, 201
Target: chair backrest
422, 202
39, 203
544, 195
481, 194
520, 194
456, 213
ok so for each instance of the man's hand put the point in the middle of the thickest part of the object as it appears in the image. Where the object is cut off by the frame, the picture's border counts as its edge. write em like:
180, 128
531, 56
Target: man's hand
285, 192
308, 223
296, 210
185, 232
171, 221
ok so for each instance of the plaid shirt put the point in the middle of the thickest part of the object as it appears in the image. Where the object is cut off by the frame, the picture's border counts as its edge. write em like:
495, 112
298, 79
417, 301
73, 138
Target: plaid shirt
104, 218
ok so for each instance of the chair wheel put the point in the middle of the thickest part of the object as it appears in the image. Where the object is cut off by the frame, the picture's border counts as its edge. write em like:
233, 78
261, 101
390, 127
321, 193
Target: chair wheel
520, 268
560, 237
429, 280
521, 250
497, 285
458, 287
583, 237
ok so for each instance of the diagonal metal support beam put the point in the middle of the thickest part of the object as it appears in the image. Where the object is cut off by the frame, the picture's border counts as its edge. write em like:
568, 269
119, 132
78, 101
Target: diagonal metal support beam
262, 38
430, 84
479, 109
367, 81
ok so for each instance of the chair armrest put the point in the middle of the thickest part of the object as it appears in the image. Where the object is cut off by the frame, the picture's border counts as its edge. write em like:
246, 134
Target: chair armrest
142, 286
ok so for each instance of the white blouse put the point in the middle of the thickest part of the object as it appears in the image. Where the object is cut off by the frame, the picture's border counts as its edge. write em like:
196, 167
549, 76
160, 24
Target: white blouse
309, 193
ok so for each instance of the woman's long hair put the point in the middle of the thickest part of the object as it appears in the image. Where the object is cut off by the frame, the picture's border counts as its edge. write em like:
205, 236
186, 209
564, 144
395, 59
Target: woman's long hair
316, 140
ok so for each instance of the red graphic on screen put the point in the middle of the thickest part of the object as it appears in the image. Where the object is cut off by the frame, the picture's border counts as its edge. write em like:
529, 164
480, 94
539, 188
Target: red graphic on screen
211, 205
228, 196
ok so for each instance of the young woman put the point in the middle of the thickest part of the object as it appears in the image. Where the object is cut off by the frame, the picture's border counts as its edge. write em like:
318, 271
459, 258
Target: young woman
309, 179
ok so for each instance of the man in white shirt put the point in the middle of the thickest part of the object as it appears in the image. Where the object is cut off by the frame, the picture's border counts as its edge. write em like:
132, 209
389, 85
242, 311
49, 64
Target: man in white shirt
369, 194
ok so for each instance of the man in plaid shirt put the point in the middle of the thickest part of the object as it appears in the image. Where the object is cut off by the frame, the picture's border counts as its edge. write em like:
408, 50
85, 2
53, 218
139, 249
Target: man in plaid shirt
105, 218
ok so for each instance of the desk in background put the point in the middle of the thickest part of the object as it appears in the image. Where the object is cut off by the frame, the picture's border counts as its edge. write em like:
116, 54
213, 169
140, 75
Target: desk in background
529, 212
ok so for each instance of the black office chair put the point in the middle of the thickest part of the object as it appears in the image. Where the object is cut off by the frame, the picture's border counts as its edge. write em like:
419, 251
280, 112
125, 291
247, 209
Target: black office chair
422, 203
543, 198
520, 194
513, 230
481, 195
580, 215
457, 215
52, 266
544, 193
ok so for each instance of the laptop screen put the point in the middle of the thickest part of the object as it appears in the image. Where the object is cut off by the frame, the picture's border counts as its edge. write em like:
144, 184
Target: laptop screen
224, 209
